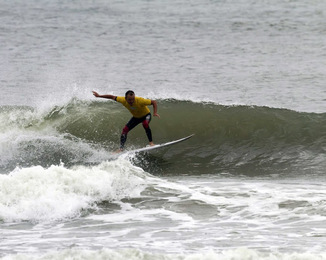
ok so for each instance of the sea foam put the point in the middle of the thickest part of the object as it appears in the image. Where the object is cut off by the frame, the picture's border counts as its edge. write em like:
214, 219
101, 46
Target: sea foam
49, 194
234, 254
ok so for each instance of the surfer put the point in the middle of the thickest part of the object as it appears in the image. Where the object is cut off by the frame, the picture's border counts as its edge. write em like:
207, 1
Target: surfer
138, 107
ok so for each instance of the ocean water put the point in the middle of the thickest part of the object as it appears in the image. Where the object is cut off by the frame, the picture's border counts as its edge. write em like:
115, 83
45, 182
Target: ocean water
246, 77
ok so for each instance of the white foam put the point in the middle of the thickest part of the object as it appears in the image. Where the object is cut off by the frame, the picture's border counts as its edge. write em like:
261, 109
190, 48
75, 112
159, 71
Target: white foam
135, 254
17, 118
46, 194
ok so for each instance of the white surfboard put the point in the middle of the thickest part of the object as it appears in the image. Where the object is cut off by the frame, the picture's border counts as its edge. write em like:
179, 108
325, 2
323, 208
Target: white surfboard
147, 148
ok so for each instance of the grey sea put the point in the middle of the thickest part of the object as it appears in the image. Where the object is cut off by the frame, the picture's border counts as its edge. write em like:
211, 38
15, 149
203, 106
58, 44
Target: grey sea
246, 77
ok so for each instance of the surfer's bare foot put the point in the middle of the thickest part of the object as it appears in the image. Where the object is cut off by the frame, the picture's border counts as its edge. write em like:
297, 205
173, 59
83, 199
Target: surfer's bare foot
118, 151
151, 144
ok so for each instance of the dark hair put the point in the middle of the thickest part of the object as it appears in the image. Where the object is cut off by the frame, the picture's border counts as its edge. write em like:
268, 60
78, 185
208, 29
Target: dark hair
129, 92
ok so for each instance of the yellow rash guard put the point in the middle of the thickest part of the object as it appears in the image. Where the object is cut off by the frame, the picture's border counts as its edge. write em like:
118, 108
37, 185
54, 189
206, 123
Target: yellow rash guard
139, 108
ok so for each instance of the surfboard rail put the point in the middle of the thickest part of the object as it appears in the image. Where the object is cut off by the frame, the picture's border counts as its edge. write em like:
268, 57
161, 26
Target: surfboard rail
147, 148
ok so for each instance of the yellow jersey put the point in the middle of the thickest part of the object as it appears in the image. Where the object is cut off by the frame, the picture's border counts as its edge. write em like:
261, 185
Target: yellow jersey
139, 108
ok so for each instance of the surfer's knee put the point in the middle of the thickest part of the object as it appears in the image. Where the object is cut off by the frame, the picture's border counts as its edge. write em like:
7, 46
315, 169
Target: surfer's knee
145, 124
125, 130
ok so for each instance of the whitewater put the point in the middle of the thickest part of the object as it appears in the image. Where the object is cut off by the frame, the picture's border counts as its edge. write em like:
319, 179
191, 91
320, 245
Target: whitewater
245, 77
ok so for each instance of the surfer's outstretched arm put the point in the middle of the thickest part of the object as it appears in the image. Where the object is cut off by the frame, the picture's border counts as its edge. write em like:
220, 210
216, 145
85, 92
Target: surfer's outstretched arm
104, 96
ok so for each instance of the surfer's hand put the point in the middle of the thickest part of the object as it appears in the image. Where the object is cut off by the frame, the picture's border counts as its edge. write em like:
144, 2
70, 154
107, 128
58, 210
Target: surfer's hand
156, 114
95, 94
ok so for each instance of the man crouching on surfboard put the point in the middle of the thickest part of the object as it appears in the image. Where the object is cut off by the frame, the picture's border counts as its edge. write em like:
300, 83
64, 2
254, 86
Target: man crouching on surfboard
138, 108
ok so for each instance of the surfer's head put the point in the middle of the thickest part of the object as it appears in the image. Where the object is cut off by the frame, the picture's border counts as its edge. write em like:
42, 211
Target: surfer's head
130, 97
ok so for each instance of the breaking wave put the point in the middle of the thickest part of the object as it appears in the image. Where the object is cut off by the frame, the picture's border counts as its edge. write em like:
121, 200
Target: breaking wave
233, 139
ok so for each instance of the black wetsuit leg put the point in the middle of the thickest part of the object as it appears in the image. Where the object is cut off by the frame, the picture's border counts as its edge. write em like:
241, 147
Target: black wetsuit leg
133, 122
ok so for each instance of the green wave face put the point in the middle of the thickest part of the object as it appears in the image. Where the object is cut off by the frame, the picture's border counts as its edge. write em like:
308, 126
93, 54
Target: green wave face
228, 139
